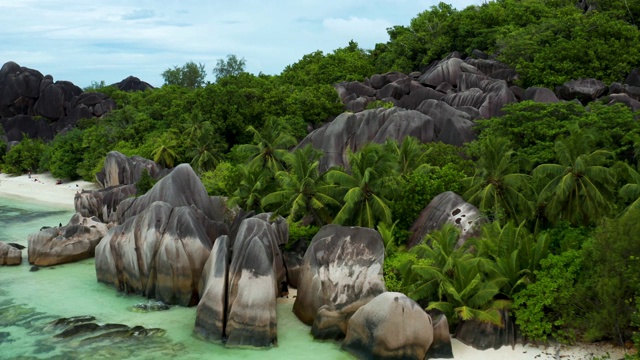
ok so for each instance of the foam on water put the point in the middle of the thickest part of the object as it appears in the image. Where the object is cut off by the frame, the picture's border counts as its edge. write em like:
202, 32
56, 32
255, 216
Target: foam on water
29, 301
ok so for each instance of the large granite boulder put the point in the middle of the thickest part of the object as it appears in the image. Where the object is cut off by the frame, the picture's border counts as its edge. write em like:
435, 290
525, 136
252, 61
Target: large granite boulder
9, 255
16, 127
58, 245
447, 71
159, 252
584, 90
447, 207
182, 187
391, 326
119, 169
540, 94
342, 271
441, 347
102, 203
19, 89
482, 335
351, 132
451, 126
240, 284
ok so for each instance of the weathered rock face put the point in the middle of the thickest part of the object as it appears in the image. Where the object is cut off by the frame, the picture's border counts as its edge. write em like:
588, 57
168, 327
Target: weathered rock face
119, 169
342, 271
585, 90
441, 346
447, 71
482, 335
391, 326
540, 94
353, 131
159, 253
16, 127
241, 283
9, 255
181, 187
447, 207
102, 203
58, 245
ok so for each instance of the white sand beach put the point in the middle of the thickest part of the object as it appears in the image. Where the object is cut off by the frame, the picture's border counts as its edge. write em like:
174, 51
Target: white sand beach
42, 188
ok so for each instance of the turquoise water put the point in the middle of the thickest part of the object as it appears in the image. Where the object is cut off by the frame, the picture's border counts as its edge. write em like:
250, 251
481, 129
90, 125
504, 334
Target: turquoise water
29, 301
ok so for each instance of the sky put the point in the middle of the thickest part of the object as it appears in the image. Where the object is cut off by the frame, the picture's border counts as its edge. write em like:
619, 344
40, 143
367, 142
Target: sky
99, 40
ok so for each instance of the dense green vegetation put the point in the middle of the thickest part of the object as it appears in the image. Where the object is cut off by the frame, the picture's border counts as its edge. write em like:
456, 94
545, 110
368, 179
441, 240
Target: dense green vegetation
559, 184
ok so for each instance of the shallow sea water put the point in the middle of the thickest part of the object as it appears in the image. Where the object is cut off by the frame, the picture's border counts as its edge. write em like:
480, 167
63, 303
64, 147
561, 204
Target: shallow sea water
29, 301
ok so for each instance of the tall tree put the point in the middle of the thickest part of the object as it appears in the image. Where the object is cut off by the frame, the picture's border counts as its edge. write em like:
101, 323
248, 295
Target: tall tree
269, 145
371, 171
230, 67
577, 189
189, 75
303, 193
498, 187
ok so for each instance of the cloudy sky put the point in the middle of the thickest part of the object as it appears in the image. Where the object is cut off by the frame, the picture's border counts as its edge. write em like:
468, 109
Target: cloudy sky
86, 41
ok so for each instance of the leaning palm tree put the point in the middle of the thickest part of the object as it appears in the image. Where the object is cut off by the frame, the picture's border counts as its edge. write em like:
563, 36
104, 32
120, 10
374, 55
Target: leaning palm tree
269, 146
303, 193
372, 169
498, 187
206, 154
577, 188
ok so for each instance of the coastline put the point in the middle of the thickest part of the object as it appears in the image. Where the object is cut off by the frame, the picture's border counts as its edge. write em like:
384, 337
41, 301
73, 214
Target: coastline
42, 188
46, 191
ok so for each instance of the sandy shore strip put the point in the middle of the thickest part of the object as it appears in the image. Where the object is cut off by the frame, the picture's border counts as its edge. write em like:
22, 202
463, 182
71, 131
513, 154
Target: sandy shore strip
42, 188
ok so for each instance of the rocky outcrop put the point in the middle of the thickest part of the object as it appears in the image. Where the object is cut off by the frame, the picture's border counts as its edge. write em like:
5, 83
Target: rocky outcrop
58, 245
391, 326
447, 207
447, 71
18, 126
102, 203
342, 271
181, 187
540, 94
350, 132
119, 169
159, 252
584, 90
132, 83
240, 285
9, 255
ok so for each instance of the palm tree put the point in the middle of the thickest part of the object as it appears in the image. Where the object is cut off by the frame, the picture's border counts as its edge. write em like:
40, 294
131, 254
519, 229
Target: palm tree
303, 191
631, 190
372, 170
269, 147
497, 186
577, 189
411, 155
207, 154
164, 153
253, 186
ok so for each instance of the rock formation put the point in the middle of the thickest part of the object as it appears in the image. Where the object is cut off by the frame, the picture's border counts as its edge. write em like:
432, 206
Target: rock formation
102, 203
342, 271
119, 169
240, 285
447, 207
9, 255
58, 245
483, 335
391, 326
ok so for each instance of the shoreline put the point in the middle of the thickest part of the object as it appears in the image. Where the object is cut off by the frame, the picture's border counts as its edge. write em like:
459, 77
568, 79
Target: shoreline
42, 188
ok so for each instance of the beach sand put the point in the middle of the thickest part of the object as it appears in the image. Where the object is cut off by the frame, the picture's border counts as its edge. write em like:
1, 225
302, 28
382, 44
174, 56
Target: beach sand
46, 190
42, 188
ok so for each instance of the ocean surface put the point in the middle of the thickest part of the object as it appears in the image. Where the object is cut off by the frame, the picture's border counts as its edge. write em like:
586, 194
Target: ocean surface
31, 301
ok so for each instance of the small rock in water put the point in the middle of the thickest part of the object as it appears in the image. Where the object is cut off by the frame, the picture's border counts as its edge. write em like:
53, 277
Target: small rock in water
34, 268
150, 306
73, 320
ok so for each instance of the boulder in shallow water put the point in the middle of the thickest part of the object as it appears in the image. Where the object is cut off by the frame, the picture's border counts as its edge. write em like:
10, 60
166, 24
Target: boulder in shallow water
9, 255
391, 326
341, 271
73, 242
